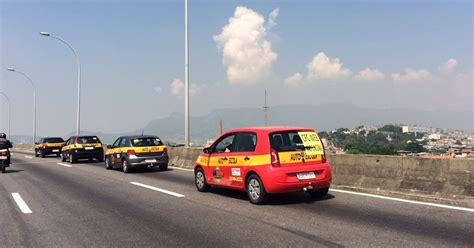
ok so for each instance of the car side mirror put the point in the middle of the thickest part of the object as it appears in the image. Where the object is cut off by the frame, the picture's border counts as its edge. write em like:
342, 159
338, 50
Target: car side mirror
207, 150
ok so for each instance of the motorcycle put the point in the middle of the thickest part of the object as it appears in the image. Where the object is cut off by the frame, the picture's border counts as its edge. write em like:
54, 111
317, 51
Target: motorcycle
4, 160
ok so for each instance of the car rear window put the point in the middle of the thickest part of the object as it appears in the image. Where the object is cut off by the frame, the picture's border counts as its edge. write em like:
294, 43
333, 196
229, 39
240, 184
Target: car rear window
146, 141
53, 140
88, 140
295, 141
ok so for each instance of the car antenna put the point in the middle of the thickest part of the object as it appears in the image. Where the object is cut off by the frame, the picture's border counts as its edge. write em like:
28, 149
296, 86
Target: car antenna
143, 130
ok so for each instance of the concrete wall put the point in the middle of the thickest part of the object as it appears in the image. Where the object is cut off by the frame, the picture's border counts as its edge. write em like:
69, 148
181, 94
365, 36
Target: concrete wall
446, 177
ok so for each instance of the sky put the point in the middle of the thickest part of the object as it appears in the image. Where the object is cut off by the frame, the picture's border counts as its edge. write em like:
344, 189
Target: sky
376, 54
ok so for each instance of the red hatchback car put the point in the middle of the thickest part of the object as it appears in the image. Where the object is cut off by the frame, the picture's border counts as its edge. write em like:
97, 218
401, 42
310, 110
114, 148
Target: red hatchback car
265, 160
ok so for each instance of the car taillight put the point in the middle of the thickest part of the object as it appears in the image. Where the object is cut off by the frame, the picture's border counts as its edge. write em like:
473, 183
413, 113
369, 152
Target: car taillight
323, 160
165, 150
274, 158
45, 146
131, 152
3, 153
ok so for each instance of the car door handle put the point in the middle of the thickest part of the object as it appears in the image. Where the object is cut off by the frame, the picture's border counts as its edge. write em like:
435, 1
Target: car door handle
246, 158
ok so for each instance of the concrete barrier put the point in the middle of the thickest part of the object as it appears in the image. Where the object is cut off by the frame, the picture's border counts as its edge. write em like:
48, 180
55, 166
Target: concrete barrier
442, 177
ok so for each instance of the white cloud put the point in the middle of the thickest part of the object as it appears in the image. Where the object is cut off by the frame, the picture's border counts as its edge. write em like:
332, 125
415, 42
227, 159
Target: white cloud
177, 88
158, 89
272, 18
411, 75
369, 74
448, 66
294, 81
246, 51
321, 67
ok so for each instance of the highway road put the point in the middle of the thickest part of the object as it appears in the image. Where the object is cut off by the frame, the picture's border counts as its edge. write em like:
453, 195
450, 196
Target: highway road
44, 203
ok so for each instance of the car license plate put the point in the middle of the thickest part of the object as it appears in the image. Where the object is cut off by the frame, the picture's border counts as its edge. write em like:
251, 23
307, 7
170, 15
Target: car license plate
3, 157
89, 148
56, 150
306, 175
150, 160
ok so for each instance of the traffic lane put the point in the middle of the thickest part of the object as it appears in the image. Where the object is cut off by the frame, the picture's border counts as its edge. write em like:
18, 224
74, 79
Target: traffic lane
13, 230
71, 208
359, 218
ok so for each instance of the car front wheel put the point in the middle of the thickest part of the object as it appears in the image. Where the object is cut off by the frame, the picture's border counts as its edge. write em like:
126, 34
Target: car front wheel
108, 165
200, 181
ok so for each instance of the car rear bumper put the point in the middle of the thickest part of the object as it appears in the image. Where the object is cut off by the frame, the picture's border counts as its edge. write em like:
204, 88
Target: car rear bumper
88, 154
285, 180
149, 161
51, 150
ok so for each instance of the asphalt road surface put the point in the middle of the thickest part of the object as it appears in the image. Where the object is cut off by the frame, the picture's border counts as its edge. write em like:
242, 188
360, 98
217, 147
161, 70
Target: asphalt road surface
46, 204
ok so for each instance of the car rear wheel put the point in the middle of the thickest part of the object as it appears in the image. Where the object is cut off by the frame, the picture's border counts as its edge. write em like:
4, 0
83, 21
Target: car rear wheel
63, 158
125, 167
108, 164
41, 153
100, 159
36, 153
256, 191
200, 181
3, 166
164, 167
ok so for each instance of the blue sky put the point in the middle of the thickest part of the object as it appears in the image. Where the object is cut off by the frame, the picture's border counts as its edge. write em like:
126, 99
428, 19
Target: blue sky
133, 51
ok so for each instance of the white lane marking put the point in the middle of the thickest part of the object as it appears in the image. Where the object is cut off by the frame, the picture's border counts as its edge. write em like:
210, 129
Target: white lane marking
21, 204
66, 165
157, 189
28, 157
403, 200
183, 169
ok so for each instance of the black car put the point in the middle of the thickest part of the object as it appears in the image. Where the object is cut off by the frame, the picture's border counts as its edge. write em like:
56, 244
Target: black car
136, 152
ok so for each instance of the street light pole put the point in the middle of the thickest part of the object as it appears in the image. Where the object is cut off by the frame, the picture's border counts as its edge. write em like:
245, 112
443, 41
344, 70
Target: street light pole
34, 99
9, 111
78, 124
186, 76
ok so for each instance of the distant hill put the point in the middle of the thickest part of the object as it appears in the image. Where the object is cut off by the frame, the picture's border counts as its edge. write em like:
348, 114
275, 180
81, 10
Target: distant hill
321, 117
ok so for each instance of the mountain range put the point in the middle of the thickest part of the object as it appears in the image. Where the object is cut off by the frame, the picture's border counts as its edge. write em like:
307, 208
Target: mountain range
321, 117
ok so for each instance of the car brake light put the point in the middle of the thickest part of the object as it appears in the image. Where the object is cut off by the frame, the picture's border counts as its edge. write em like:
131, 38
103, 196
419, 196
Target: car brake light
4, 153
131, 152
165, 150
45, 146
275, 160
323, 159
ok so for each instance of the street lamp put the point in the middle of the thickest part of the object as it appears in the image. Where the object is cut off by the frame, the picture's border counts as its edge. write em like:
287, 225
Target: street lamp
78, 127
34, 99
186, 76
9, 110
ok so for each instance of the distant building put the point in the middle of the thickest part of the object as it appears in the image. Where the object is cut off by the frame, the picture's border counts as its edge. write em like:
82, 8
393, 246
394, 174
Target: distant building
415, 129
434, 136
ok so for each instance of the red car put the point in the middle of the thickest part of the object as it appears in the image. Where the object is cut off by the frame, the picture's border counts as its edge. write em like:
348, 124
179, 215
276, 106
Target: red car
265, 160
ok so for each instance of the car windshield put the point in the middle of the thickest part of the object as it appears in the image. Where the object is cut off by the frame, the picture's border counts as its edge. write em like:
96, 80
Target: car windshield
146, 141
294, 141
88, 140
53, 140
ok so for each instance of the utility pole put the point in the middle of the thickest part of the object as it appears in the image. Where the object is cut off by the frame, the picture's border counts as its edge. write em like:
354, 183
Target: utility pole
265, 109
186, 76
221, 127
